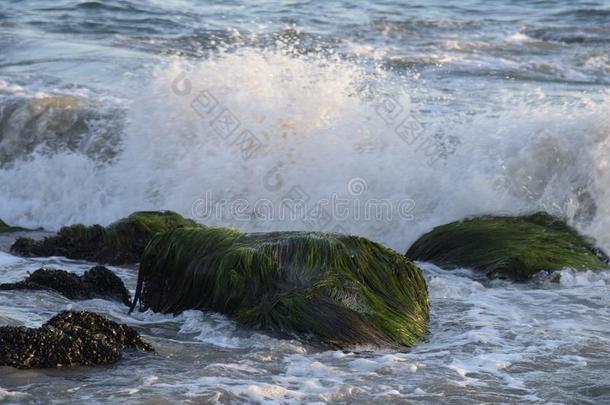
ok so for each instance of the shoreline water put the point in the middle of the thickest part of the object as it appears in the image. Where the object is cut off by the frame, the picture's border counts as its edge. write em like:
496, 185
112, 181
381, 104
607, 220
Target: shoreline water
382, 120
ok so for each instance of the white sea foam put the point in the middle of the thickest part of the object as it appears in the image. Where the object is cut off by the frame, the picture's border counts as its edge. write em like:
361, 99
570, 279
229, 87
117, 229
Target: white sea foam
520, 37
572, 278
8, 259
319, 123
484, 337
514, 117
6, 395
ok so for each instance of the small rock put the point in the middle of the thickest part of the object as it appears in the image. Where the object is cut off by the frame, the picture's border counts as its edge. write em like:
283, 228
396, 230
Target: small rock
68, 339
98, 282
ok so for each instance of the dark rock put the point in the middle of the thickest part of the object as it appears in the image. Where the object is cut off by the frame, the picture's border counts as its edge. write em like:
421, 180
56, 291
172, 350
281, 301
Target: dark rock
120, 243
68, 339
98, 282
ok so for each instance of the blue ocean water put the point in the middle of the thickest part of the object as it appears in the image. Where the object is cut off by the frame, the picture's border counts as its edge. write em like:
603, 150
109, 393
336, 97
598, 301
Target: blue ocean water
408, 114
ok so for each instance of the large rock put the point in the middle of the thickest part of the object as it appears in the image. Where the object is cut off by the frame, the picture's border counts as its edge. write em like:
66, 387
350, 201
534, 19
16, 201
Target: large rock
508, 247
68, 339
341, 290
120, 243
97, 282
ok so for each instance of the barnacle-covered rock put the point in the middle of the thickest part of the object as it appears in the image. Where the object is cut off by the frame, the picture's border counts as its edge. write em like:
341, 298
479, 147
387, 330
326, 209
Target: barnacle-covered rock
97, 282
120, 243
96, 324
68, 339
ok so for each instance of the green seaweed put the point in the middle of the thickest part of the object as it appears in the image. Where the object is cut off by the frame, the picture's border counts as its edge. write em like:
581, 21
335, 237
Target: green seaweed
4, 227
120, 243
508, 247
342, 290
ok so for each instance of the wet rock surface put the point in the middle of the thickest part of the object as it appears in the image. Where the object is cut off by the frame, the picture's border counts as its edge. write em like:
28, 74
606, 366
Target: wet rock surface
509, 247
336, 289
68, 339
119, 243
98, 282
4, 227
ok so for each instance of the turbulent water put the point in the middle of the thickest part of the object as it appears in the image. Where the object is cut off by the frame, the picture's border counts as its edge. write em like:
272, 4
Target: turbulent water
385, 119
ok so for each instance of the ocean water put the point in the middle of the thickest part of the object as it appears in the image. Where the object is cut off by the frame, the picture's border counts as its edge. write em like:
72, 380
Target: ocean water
381, 119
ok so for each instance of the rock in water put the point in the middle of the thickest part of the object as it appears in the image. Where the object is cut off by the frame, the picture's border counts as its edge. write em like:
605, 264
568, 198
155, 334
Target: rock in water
97, 282
508, 247
4, 227
120, 243
342, 290
68, 339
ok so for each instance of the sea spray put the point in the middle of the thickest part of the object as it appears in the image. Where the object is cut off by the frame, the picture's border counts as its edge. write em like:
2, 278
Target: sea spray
318, 122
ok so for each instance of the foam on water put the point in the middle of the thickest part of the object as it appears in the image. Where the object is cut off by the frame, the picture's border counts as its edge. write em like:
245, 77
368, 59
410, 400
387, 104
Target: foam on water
505, 113
7, 259
488, 341
322, 124
50, 120
6, 395
589, 278
326, 130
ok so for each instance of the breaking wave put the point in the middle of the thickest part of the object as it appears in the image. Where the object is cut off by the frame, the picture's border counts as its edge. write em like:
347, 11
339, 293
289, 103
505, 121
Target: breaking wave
305, 124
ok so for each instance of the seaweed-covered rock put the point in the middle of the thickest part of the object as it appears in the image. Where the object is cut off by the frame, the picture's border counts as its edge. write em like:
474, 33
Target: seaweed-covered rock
69, 338
341, 290
4, 227
97, 282
508, 247
120, 243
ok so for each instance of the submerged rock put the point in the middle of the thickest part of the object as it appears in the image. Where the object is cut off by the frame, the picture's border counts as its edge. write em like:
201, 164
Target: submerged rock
97, 282
508, 247
120, 243
341, 290
68, 339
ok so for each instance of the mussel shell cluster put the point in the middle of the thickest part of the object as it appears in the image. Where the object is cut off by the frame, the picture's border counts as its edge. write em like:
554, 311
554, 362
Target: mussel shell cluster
68, 339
